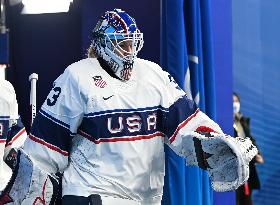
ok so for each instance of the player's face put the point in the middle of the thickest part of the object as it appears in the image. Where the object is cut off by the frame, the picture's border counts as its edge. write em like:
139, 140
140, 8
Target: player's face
235, 99
123, 48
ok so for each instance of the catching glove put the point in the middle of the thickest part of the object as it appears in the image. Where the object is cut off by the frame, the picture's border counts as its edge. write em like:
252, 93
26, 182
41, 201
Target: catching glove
225, 158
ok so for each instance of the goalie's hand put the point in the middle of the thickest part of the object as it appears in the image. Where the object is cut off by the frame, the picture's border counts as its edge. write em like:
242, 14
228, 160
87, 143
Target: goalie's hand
29, 184
225, 158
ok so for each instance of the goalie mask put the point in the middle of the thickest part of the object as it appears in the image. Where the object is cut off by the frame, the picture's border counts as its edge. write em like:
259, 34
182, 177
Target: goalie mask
117, 40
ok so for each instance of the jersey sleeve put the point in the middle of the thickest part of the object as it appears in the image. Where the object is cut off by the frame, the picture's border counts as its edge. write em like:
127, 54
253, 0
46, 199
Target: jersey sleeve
194, 136
16, 134
9, 137
55, 124
183, 117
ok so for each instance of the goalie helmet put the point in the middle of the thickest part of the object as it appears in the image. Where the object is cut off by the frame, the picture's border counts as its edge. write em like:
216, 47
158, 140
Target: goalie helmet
117, 40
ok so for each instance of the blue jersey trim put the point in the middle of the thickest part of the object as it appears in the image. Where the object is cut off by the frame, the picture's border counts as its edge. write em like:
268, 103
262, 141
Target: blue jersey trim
102, 125
54, 119
178, 112
4, 117
4, 128
15, 130
50, 131
95, 114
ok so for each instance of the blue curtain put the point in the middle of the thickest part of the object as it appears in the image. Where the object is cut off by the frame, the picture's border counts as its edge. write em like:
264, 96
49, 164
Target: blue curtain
187, 54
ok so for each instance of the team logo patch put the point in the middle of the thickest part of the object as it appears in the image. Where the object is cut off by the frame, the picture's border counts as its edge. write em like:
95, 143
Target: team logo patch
99, 82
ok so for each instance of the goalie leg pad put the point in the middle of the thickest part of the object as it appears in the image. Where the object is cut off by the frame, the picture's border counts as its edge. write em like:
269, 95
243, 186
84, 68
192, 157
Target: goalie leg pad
29, 184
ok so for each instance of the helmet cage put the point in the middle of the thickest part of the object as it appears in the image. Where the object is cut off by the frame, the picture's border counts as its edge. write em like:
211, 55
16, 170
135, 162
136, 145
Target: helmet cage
117, 40
124, 47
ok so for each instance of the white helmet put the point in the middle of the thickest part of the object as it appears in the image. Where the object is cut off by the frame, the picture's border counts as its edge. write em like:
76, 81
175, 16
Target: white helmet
117, 40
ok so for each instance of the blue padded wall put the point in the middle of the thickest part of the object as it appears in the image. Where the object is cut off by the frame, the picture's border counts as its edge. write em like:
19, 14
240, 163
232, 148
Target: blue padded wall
256, 62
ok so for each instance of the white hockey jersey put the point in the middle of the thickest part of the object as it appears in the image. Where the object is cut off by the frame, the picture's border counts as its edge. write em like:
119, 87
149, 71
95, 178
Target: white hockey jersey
11, 135
108, 136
